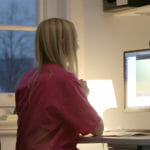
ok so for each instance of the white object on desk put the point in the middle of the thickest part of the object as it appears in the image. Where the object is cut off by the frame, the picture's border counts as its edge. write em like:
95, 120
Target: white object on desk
102, 95
8, 139
8, 131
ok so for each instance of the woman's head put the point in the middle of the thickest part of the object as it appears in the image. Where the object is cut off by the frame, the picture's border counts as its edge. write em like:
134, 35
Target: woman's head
56, 43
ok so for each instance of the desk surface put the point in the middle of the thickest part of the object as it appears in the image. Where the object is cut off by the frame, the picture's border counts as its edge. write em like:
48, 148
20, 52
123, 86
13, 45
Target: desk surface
127, 140
133, 140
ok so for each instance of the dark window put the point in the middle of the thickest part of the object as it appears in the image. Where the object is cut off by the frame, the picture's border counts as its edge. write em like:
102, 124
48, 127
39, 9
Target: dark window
16, 45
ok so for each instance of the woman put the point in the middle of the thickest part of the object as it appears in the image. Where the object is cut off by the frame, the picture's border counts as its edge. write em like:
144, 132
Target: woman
51, 102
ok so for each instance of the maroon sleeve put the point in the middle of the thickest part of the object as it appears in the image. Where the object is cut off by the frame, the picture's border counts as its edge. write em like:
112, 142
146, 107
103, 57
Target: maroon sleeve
75, 108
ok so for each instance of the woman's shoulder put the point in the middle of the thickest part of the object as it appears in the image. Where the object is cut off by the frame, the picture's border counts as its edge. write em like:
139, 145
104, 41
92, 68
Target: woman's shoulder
28, 74
23, 82
62, 75
60, 72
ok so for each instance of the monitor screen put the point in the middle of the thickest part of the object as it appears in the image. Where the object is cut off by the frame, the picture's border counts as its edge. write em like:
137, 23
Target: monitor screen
137, 78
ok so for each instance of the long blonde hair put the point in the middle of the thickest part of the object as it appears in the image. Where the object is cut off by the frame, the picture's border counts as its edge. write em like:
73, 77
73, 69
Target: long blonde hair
56, 43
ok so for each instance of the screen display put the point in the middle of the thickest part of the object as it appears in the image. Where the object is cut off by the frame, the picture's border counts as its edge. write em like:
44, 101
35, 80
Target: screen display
137, 78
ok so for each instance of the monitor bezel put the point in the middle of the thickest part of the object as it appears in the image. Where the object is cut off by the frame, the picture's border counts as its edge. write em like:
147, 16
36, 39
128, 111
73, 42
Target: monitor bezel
126, 108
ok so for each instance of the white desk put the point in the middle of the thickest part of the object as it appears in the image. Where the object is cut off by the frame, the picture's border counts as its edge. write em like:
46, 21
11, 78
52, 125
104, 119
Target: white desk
121, 143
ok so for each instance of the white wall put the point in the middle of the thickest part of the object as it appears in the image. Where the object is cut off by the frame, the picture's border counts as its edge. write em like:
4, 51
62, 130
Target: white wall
105, 38
102, 39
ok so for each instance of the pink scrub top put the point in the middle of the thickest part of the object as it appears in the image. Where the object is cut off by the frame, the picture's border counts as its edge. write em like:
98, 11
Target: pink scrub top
52, 110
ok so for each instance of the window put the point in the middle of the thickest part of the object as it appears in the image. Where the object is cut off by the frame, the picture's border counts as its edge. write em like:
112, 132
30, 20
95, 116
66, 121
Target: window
18, 21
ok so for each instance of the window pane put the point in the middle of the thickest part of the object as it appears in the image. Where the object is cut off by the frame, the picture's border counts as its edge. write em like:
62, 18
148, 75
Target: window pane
16, 57
18, 12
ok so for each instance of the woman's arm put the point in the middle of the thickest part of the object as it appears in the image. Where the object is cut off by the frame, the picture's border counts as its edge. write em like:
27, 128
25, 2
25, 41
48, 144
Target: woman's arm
100, 128
76, 109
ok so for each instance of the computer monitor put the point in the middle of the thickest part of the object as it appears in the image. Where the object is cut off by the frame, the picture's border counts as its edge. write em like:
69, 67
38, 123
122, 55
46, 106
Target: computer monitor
137, 79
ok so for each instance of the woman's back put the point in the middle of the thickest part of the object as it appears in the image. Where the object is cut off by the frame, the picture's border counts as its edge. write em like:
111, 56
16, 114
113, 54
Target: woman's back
52, 110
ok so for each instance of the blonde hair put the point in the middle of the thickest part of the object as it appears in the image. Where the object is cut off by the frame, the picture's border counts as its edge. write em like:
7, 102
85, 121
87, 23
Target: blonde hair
56, 43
